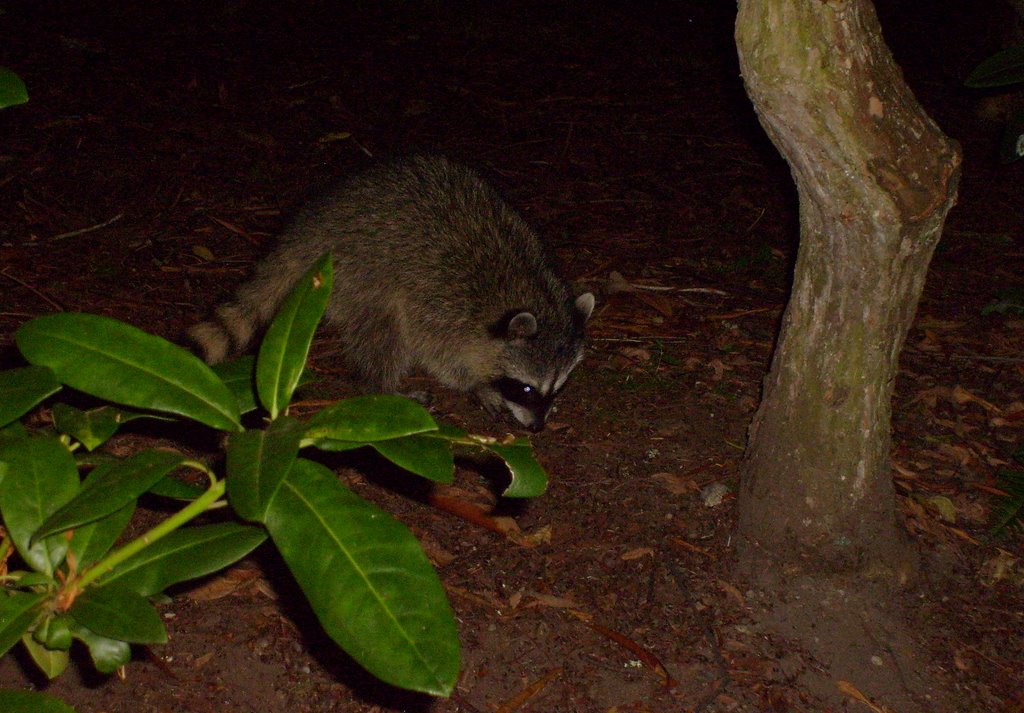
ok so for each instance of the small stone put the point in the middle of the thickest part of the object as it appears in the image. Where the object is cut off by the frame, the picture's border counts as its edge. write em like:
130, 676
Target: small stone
713, 494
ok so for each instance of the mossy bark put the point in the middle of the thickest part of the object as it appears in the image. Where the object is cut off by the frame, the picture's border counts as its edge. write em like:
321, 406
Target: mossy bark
876, 178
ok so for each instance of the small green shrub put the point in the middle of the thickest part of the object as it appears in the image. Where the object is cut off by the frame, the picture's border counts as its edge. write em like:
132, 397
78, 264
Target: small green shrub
12, 89
1004, 69
66, 577
1008, 513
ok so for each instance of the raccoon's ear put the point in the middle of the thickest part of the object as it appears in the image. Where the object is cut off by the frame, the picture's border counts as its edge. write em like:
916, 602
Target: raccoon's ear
521, 326
585, 305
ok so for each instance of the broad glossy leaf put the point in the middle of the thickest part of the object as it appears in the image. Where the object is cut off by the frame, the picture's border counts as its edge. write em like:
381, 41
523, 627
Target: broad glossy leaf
239, 375
119, 614
54, 633
285, 346
121, 363
528, 477
1001, 69
51, 662
21, 389
91, 542
329, 444
370, 418
40, 477
90, 428
17, 612
12, 89
426, 456
12, 432
171, 487
107, 655
185, 554
25, 579
111, 486
32, 702
367, 579
257, 462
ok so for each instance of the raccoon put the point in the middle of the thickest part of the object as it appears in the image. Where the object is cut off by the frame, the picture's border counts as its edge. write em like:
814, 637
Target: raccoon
433, 271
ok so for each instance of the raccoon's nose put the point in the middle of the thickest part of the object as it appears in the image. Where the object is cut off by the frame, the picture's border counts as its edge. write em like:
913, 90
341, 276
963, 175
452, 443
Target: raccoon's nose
536, 427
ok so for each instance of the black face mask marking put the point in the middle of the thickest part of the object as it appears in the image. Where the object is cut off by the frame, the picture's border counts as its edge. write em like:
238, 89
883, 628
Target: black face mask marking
521, 393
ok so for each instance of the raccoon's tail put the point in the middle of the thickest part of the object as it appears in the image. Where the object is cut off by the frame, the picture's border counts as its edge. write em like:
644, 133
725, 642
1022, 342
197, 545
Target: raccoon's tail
234, 323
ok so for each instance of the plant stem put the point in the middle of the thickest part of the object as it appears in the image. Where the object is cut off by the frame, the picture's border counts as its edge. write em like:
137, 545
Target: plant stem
197, 507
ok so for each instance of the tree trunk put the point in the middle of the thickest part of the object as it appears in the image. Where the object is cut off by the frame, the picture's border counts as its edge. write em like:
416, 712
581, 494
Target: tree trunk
876, 178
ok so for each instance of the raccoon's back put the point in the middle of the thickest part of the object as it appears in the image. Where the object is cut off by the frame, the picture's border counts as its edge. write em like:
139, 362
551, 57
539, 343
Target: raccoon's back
433, 232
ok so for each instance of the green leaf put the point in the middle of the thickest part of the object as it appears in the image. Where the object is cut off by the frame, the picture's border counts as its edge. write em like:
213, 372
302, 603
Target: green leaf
17, 613
285, 347
120, 363
32, 702
185, 554
367, 580
107, 655
426, 456
26, 580
329, 444
239, 375
91, 542
21, 389
111, 486
370, 418
54, 633
12, 432
257, 463
1000, 70
171, 487
51, 662
119, 614
528, 477
90, 428
40, 477
12, 89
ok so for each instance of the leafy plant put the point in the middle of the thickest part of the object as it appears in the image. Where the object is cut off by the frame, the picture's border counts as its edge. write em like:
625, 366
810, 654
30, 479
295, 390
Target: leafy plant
364, 574
1004, 69
1009, 301
1009, 511
12, 89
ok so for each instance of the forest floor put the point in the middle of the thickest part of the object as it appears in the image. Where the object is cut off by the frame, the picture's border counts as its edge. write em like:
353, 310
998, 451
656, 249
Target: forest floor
164, 145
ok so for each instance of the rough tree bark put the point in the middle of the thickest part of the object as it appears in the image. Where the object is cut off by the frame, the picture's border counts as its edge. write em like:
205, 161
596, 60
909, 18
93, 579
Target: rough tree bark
876, 178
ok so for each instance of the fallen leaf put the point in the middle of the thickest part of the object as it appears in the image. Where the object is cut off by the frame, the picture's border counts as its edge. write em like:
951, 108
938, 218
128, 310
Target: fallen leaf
203, 252
732, 592
523, 697
234, 580
549, 600
637, 553
635, 353
677, 484
540, 536
852, 691
944, 506
963, 396
719, 369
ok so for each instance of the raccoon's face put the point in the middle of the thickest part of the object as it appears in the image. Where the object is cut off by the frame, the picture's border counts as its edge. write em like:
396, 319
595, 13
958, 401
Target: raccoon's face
537, 363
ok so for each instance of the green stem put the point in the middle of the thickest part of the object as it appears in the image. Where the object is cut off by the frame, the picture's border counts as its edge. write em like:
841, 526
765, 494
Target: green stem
197, 507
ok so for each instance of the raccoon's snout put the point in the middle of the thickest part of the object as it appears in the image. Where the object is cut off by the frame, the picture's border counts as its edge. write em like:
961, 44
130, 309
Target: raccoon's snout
526, 402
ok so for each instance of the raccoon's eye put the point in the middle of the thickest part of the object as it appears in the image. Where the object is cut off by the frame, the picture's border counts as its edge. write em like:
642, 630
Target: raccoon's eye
517, 391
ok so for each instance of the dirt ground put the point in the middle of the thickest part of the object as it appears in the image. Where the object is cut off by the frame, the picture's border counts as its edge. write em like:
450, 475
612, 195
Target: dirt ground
164, 145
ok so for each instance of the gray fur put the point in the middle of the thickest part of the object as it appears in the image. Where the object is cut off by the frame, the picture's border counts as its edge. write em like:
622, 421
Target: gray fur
432, 271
